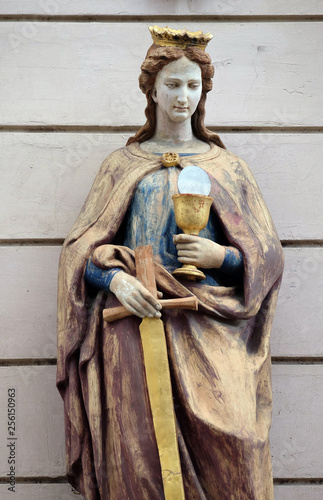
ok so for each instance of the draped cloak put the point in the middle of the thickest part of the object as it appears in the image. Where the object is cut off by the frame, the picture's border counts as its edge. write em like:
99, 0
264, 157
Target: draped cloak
219, 356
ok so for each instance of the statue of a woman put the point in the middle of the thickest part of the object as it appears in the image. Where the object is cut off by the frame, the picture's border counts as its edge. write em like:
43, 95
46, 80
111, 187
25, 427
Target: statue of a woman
219, 356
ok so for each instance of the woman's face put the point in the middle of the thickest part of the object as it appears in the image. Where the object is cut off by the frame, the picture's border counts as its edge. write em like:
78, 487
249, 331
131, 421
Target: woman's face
178, 89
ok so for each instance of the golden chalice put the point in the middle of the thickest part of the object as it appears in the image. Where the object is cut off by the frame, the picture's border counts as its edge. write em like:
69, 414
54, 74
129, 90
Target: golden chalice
192, 214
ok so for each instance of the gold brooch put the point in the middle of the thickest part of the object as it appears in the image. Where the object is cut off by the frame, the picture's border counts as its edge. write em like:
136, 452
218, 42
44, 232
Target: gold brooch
170, 159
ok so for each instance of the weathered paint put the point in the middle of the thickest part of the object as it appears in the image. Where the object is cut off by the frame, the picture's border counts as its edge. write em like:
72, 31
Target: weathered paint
64, 165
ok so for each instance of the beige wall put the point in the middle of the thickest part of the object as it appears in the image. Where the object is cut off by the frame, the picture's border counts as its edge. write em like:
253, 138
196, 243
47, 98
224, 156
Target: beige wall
69, 96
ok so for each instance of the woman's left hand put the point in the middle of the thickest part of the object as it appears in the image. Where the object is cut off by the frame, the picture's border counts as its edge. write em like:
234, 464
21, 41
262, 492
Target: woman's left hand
198, 251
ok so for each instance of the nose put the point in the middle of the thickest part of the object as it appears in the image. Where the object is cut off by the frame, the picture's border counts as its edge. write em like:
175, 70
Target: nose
182, 95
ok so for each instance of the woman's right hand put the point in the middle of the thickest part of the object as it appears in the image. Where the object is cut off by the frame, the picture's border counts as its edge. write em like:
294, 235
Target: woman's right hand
134, 296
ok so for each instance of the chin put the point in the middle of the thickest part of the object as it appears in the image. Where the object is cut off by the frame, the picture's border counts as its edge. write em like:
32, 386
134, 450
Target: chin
180, 117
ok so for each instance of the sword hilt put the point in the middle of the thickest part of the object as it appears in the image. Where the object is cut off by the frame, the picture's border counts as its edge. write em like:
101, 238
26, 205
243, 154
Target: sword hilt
146, 275
120, 312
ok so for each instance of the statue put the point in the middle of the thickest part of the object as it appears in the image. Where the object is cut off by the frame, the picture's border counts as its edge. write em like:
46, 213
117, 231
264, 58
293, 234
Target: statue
219, 356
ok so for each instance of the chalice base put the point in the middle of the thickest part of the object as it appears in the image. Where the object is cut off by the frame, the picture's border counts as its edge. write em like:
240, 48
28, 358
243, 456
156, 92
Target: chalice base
189, 272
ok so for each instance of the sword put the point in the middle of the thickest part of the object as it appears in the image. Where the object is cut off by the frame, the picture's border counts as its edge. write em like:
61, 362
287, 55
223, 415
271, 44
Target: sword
158, 375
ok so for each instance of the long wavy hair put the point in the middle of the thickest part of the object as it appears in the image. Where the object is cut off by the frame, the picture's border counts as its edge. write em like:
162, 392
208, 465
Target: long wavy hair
157, 57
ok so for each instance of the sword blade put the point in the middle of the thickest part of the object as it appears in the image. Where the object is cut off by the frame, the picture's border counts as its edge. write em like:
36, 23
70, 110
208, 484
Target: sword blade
161, 404
159, 384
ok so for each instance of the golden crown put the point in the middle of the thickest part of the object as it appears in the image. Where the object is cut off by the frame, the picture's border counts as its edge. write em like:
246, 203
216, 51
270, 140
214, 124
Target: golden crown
166, 37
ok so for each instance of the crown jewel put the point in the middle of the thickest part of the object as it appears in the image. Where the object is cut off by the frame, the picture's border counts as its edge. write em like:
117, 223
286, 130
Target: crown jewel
167, 37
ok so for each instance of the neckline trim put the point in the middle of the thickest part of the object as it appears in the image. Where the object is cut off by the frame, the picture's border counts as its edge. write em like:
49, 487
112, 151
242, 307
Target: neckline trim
180, 154
135, 149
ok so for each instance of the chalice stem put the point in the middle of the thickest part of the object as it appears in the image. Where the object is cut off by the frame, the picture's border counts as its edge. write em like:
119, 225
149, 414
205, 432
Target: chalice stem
192, 214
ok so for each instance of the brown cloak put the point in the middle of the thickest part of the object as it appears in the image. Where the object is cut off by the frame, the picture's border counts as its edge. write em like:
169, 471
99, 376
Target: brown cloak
219, 356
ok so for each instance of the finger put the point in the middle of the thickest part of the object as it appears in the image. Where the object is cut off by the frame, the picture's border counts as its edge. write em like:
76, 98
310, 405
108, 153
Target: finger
143, 309
193, 245
160, 295
148, 297
187, 253
187, 248
147, 300
183, 246
132, 310
184, 238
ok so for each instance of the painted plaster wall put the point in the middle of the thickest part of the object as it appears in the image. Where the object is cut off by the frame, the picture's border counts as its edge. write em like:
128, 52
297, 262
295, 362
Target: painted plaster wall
69, 96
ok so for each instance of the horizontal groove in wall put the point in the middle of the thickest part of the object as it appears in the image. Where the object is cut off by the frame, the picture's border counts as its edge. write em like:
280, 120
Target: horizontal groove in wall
86, 129
107, 129
101, 18
297, 360
298, 481
301, 243
63, 479
36, 480
276, 360
49, 242
28, 362
59, 241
